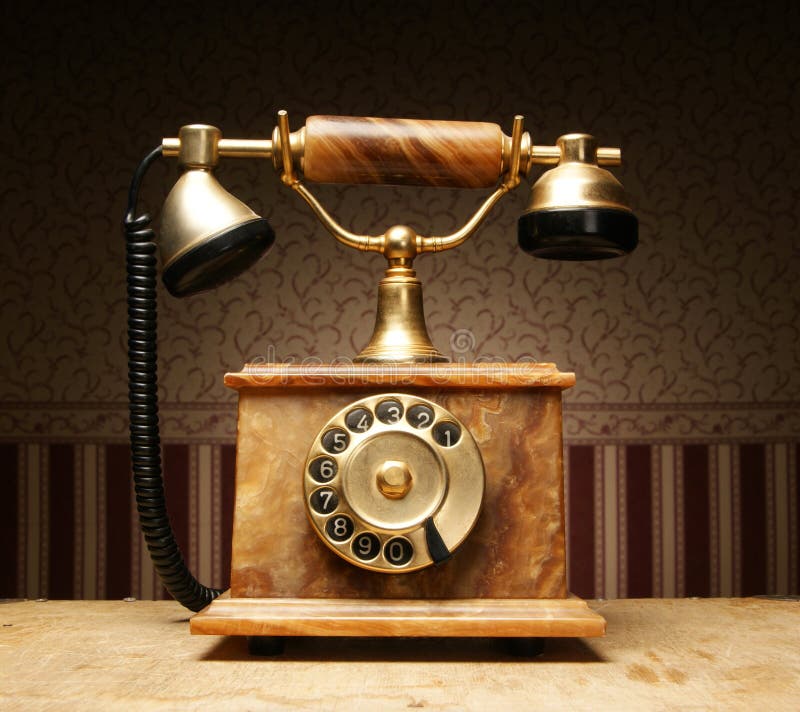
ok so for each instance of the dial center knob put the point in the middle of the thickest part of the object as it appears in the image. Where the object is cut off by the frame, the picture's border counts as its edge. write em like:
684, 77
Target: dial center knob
394, 479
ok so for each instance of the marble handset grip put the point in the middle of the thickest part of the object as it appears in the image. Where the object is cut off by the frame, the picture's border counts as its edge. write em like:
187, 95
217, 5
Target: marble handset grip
346, 149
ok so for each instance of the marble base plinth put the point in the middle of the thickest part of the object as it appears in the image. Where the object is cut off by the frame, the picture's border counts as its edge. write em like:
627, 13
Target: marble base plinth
507, 618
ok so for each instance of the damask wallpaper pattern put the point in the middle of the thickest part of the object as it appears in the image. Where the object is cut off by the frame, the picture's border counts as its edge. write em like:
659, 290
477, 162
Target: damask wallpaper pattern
685, 352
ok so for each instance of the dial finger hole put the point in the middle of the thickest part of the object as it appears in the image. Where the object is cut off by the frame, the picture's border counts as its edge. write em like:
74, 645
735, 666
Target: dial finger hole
398, 551
359, 420
339, 528
446, 433
323, 469
420, 416
389, 411
335, 441
324, 500
366, 546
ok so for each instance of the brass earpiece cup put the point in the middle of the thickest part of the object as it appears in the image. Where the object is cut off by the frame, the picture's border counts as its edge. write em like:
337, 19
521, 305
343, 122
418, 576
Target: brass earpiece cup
218, 259
578, 233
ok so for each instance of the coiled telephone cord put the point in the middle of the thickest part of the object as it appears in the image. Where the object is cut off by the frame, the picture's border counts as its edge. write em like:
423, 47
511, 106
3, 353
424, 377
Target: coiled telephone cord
145, 438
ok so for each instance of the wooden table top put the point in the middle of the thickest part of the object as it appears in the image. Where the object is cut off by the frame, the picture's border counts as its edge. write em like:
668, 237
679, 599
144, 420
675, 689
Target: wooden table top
658, 654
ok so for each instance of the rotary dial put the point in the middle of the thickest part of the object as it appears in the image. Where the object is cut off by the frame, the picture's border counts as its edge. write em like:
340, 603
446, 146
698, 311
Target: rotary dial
393, 483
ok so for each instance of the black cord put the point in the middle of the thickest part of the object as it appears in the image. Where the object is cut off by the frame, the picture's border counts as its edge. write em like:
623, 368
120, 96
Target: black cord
148, 482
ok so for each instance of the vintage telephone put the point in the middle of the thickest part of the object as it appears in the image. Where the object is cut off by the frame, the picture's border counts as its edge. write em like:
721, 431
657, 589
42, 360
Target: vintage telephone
397, 495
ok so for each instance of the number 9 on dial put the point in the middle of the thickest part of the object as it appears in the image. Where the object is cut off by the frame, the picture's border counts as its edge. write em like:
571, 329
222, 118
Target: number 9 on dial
366, 546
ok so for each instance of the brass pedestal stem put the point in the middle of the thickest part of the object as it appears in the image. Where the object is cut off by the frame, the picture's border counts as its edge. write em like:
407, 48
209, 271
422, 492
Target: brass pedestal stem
400, 334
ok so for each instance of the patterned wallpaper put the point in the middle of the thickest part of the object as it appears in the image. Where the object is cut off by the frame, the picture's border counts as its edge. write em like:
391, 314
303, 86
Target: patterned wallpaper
691, 339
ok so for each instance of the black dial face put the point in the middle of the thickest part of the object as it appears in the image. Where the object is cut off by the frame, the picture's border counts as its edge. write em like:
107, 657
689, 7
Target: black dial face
324, 500
323, 469
366, 546
339, 528
446, 433
335, 441
389, 411
420, 416
379, 483
398, 551
359, 420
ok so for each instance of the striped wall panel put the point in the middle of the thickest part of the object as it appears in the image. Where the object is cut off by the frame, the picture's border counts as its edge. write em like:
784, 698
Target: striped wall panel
683, 520
68, 525
642, 520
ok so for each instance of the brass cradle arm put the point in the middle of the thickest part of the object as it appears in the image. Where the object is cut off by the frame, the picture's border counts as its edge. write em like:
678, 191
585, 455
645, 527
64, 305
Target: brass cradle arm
390, 151
398, 246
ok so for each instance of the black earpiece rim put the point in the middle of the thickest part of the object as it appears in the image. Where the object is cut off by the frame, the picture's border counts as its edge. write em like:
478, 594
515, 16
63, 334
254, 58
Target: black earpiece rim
185, 275
578, 233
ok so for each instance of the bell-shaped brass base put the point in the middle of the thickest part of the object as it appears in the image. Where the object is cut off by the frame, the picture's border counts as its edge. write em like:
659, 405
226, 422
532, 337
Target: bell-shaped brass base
400, 334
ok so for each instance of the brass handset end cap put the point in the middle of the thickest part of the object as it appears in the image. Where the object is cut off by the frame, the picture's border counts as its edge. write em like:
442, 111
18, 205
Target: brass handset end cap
578, 233
217, 259
577, 210
207, 235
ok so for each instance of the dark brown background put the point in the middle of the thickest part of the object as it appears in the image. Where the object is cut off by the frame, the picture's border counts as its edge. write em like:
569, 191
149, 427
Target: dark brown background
691, 342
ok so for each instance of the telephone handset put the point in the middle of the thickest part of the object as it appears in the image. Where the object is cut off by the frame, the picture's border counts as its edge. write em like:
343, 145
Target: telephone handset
405, 495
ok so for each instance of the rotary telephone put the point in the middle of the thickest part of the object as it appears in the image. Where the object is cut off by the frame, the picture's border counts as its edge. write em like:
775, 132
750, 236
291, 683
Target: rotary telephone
399, 494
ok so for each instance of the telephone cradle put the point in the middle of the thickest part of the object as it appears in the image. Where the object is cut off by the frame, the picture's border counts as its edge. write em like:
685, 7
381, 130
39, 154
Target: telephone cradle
360, 560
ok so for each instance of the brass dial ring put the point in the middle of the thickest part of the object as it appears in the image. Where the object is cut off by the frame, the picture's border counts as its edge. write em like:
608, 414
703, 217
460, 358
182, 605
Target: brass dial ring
393, 483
